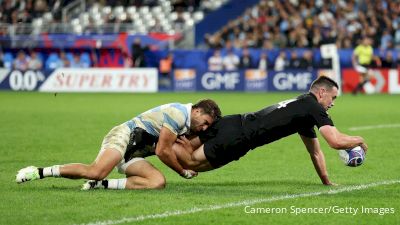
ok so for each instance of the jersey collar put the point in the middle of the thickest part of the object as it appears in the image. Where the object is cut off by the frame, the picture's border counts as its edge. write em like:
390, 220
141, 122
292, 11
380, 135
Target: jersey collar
312, 94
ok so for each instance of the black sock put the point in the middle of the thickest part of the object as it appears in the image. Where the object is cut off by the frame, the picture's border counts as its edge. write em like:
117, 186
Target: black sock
41, 173
104, 183
359, 87
364, 82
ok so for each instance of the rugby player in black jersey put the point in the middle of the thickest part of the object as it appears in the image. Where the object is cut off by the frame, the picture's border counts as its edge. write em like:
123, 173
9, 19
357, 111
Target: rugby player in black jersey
233, 136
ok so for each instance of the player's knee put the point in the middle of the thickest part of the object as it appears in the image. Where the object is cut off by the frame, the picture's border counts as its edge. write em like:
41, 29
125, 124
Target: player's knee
96, 174
157, 182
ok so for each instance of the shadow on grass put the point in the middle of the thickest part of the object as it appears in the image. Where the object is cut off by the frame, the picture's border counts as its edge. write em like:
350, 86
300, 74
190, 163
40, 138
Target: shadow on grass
270, 187
189, 185
206, 188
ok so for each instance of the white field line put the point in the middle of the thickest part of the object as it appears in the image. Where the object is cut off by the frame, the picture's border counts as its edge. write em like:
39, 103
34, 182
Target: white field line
379, 126
247, 202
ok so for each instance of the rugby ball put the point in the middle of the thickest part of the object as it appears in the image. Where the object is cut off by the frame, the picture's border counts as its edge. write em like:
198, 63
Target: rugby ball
352, 157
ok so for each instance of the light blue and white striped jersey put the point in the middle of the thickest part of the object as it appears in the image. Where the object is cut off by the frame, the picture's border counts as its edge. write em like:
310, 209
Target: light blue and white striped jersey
174, 116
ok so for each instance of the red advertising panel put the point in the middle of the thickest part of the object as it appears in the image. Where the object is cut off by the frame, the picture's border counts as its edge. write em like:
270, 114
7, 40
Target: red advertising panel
379, 81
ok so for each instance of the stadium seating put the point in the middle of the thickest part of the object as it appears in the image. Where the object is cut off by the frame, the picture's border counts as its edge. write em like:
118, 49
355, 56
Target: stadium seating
85, 59
93, 17
264, 26
52, 61
303, 24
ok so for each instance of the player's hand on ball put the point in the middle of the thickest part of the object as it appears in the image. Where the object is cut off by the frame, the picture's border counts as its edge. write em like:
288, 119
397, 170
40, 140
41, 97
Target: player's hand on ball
364, 146
188, 174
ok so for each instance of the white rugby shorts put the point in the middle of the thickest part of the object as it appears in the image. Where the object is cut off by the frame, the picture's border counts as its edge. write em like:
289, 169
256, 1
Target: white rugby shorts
118, 139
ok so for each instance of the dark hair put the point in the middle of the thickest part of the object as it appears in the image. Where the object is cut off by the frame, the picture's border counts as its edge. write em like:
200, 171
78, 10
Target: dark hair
209, 107
324, 81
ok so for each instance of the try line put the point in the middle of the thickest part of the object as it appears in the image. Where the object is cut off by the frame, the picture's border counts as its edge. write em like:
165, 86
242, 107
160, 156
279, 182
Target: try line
241, 203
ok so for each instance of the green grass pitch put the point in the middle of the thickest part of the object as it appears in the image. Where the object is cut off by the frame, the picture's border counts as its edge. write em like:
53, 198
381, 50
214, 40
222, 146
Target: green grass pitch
42, 129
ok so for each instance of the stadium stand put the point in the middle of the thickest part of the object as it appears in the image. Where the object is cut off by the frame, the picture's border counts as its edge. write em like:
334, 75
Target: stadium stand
63, 16
271, 26
308, 24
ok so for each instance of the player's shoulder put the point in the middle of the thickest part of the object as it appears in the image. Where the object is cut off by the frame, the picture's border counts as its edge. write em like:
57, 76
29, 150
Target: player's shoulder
306, 97
308, 101
359, 48
176, 106
176, 111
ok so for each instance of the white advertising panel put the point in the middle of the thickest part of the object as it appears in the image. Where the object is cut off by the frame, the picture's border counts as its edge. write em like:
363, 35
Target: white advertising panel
102, 80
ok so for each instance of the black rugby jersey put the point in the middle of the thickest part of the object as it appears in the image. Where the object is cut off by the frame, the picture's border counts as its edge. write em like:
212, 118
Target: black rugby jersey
298, 115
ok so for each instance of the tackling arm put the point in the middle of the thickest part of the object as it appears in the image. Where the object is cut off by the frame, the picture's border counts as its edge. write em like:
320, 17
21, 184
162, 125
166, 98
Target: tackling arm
339, 141
190, 154
167, 155
317, 157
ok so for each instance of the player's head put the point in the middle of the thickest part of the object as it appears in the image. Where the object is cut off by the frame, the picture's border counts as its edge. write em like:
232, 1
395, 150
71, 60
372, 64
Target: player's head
366, 41
326, 91
203, 114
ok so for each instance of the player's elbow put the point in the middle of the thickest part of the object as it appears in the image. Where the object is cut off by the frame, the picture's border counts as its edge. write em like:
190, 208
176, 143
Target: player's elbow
161, 152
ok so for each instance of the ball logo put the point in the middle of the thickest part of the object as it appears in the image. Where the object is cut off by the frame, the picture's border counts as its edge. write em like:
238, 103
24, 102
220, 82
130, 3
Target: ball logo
288, 80
215, 81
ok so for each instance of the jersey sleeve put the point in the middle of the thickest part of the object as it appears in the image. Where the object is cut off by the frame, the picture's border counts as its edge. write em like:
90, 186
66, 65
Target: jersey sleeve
174, 118
310, 132
320, 116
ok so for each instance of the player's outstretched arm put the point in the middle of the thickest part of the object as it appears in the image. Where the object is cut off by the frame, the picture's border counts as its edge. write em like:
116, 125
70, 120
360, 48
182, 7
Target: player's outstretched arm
317, 157
339, 140
167, 155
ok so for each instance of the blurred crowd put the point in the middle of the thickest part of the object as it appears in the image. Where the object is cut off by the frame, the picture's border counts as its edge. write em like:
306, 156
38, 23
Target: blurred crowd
24, 11
218, 60
286, 59
33, 60
122, 14
270, 24
232, 62
308, 24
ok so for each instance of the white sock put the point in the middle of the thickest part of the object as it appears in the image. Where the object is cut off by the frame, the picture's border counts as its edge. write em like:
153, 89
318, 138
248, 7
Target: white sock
117, 183
53, 171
